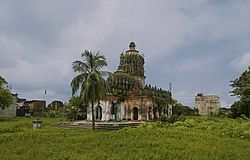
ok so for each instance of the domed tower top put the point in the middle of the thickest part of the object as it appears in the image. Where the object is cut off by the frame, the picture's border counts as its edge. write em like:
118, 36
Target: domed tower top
132, 45
132, 49
132, 62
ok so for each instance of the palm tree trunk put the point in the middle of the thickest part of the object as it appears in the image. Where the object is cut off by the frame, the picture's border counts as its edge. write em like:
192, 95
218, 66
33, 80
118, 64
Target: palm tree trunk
93, 115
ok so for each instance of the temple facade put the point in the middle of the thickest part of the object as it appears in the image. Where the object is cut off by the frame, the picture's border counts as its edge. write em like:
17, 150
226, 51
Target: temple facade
132, 100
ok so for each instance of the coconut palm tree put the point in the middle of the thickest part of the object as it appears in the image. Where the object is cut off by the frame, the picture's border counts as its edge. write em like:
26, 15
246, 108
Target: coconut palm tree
90, 81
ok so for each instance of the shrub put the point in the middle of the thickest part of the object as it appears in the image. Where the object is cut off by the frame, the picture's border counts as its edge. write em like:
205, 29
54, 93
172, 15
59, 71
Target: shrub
172, 119
60, 113
72, 113
163, 118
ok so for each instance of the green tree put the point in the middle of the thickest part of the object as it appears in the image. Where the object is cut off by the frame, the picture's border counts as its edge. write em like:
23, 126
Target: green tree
241, 89
77, 101
90, 80
5, 94
179, 109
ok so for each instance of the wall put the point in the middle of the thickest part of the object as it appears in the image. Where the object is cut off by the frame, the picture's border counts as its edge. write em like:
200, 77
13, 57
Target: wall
11, 111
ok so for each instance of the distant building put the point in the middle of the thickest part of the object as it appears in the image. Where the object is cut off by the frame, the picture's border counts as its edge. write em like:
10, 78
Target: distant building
36, 107
206, 104
22, 108
11, 110
55, 105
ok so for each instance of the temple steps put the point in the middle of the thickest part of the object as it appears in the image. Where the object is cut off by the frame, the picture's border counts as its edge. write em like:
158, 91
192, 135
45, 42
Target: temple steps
99, 125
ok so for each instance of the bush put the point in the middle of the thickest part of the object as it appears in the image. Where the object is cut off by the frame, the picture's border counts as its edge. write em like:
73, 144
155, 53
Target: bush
72, 113
172, 119
60, 113
244, 116
3, 119
163, 119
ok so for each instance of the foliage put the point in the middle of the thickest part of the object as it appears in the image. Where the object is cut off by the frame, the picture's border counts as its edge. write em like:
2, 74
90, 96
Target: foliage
239, 128
241, 87
121, 82
196, 138
179, 109
90, 80
78, 102
160, 97
120, 86
5, 94
239, 108
60, 113
72, 113
171, 119
74, 109
163, 118
222, 113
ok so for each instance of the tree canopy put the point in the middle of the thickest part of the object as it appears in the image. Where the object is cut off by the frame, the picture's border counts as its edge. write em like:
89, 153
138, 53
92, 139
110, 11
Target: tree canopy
5, 94
241, 89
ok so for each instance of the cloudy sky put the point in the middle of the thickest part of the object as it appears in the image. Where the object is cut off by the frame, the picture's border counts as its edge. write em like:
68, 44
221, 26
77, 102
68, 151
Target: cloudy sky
197, 45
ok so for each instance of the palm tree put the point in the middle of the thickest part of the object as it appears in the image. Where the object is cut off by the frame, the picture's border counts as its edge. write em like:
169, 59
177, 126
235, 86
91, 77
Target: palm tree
90, 80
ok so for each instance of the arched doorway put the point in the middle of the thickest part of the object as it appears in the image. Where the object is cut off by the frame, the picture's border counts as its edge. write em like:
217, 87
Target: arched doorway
164, 111
150, 113
135, 113
98, 113
155, 113
114, 111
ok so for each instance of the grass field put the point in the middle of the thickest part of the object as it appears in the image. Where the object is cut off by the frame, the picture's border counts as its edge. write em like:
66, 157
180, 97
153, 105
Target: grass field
193, 138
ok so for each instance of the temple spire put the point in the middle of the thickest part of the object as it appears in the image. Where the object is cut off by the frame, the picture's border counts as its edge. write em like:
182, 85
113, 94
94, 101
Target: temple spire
132, 45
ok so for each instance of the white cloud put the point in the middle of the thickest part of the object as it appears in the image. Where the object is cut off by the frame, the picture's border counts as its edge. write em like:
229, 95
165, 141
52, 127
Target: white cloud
224, 104
241, 62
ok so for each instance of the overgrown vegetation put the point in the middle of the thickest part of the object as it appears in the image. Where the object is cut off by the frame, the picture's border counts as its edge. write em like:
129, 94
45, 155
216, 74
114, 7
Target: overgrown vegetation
5, 94
74, 109
241, 87
239, 127
188, 138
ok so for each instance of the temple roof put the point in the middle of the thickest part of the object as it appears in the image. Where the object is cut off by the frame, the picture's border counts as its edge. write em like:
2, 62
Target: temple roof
132, 49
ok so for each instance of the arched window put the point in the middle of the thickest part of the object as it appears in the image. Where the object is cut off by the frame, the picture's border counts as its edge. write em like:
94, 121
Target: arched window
98, 113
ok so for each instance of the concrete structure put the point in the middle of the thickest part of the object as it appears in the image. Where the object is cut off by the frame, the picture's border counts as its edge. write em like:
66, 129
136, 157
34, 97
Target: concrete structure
55, 105
206, 104
22, 108
11, 111
130, 100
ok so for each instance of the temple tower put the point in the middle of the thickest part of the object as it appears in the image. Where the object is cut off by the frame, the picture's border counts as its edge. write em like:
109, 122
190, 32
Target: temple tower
131, 62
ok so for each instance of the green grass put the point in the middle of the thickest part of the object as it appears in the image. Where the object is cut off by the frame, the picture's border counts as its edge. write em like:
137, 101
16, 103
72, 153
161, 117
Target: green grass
193, 138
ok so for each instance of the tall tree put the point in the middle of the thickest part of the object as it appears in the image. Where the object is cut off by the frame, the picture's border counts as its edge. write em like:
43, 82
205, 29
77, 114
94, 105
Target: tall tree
5, 94
90, 80
241, 89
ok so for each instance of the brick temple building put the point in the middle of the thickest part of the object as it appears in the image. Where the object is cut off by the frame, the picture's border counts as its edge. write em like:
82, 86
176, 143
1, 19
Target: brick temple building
129, 100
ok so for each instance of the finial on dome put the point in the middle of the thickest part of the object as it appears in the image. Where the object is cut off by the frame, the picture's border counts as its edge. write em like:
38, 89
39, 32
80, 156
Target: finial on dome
132, 45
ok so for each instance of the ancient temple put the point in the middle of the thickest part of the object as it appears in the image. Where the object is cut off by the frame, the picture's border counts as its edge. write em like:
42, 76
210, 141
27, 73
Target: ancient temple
132, 99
